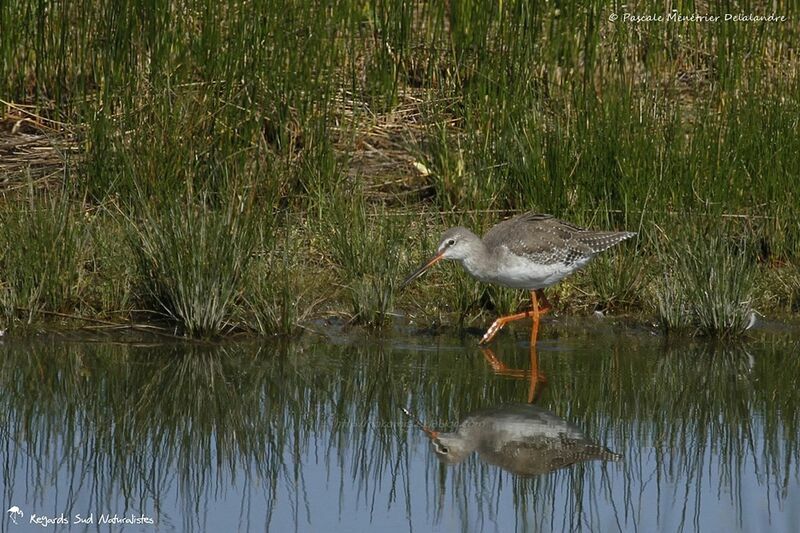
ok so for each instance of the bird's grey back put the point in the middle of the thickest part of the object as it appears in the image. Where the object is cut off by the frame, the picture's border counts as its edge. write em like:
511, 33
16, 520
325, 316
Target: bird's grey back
547, 240
539, 456
529, 440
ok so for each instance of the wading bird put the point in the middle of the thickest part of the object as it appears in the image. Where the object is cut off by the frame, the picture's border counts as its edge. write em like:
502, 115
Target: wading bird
530, 251
523, 439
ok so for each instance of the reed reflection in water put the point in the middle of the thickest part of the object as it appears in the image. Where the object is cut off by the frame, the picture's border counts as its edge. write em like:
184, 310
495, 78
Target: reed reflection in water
310, 435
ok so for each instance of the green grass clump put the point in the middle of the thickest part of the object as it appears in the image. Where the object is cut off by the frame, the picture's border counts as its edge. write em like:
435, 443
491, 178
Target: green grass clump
279, 297
708, 286
192, 260
465, 112
365, 244
43, 244
779, 287
617, 278
110, 268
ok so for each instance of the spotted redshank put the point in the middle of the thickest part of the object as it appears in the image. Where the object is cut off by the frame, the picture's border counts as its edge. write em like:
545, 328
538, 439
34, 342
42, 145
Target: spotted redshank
530, 251
524, 439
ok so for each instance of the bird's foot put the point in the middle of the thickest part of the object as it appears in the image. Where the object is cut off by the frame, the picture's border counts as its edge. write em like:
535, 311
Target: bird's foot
496, 326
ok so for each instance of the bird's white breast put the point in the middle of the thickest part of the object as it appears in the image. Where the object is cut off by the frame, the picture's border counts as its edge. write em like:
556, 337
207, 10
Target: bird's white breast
519, 272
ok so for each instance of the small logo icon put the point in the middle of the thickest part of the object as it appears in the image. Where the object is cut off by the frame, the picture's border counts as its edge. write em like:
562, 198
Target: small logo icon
15, 512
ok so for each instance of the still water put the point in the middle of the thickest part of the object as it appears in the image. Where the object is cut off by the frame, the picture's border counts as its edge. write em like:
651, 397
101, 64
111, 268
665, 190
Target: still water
627, 432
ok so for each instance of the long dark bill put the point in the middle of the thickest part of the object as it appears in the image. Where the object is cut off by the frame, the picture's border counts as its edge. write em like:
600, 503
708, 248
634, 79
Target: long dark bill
417, 422
421, 270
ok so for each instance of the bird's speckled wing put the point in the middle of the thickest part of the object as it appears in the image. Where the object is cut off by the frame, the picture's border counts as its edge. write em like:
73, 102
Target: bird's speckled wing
548, 240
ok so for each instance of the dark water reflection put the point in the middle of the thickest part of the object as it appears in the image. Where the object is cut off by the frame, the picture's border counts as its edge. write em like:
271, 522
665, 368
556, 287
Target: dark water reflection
310, 436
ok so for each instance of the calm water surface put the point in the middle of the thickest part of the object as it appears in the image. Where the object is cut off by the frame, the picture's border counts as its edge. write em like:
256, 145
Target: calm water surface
310, 435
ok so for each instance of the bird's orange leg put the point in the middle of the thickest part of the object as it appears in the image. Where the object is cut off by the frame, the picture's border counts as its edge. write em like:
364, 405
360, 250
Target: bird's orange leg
500, 368
498, 324
538, 310
534, 312
535, 376
543, 304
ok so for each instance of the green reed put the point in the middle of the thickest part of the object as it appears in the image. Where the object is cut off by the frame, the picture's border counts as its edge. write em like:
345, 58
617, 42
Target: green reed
618, 278
111, 272
44, 245
506, 106
192, 260
279, 297
708, 284
365, 244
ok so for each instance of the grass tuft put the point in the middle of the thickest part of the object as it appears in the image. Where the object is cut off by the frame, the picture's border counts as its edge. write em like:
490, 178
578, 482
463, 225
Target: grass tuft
43, 244
708, 285
617, 278
279, 297
365, 243
192, 260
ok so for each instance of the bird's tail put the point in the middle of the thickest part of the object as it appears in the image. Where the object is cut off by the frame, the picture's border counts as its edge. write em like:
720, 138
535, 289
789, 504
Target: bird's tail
599, 241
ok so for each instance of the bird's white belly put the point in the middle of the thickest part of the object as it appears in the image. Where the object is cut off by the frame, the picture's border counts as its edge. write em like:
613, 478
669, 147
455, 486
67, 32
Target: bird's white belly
519, 273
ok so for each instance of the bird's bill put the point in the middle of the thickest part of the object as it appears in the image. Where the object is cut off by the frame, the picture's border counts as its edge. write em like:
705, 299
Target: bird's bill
428, 431
421, 270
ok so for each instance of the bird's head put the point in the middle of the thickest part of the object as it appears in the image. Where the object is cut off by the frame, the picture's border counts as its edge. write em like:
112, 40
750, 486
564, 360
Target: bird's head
450, 448
456, 244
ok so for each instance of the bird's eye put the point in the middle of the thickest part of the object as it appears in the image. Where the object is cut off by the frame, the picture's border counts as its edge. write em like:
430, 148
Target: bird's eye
443, 449
451, 242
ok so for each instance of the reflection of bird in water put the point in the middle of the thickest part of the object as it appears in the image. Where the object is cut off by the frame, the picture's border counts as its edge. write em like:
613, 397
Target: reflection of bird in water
524, 439
533, 375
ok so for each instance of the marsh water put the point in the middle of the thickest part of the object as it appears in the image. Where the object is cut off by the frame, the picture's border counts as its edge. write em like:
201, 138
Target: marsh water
310, 435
